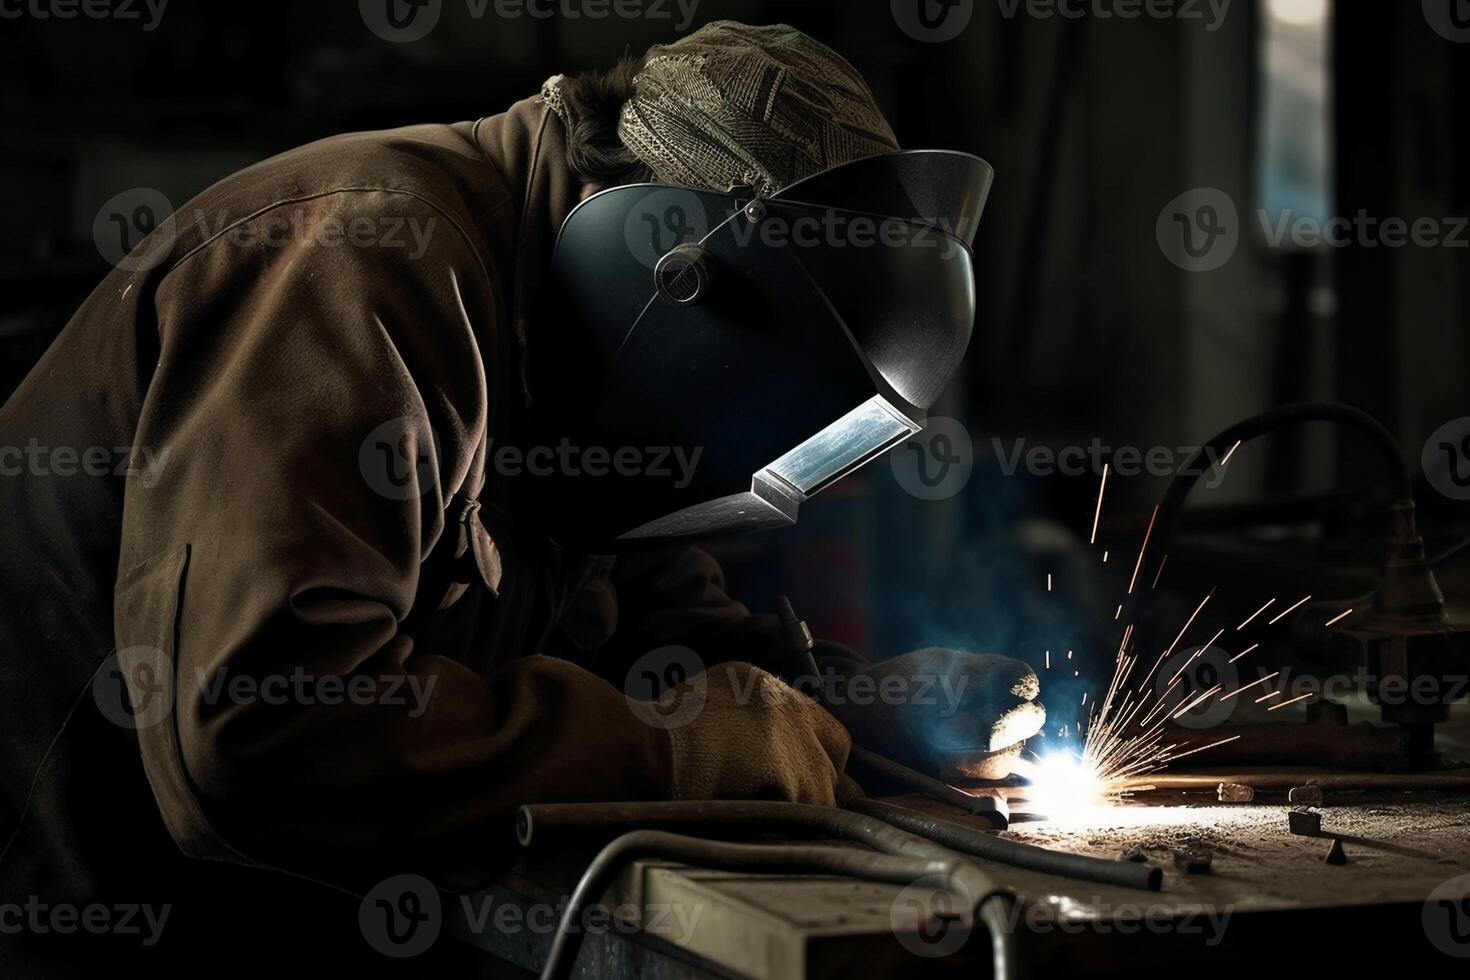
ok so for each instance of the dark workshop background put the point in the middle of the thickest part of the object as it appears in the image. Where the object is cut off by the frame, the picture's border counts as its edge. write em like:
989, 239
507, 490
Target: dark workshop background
1086, 328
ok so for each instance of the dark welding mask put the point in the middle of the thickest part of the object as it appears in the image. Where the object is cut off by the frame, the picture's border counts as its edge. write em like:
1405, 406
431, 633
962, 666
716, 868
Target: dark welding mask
711, 360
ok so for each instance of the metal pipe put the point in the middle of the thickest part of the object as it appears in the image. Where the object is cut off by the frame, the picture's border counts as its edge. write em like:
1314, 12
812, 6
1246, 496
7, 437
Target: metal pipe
981, 806
710, 817
967, 840
951, 871
881, 826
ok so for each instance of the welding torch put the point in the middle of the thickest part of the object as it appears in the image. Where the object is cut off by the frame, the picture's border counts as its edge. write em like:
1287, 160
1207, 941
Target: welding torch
800, 644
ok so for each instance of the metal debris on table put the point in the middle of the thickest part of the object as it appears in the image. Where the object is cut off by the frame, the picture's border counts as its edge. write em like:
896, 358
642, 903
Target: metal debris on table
1194, 862
1305, 796
1304, 822
1235, 793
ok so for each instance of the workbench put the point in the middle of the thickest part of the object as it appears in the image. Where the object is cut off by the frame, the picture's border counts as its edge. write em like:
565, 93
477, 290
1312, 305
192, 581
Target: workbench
1269, 905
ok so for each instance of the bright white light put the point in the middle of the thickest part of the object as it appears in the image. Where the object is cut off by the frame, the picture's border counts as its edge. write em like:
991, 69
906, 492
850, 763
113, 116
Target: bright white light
1061, 786
1301, 13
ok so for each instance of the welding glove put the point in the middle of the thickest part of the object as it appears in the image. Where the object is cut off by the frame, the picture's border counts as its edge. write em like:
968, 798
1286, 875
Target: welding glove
951, 714
751, 736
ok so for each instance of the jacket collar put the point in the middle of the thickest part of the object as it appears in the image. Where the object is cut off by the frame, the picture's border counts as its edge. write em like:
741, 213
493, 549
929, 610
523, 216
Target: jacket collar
527, 144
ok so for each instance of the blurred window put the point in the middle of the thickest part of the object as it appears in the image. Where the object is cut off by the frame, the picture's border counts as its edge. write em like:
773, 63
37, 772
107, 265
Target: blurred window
1295, 150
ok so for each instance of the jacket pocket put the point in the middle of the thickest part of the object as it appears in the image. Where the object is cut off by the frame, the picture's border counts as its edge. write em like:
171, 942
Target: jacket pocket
146, 607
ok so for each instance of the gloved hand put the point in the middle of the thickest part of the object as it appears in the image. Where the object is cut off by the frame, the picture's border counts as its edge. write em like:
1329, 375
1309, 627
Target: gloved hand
951, 714
755, 737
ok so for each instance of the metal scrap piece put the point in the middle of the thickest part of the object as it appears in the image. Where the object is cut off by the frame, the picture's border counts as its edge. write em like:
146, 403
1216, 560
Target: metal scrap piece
1304, 822
1235, 793
1305, 796
1194, 862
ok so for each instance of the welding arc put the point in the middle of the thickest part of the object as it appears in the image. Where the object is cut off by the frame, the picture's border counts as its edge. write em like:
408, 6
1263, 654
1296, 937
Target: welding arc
966, 840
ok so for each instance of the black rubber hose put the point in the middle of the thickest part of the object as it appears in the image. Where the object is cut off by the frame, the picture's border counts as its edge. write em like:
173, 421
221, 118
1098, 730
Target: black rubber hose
1389, 451
966, 840
755, 859
1217, 448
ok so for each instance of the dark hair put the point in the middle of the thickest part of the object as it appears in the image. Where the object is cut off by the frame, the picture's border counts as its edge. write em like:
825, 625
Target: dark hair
593, 101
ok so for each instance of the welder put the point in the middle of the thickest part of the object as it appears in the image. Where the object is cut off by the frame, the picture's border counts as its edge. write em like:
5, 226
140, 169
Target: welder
331, 492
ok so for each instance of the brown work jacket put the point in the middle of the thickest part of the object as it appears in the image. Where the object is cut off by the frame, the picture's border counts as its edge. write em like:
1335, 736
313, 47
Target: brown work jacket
293, 383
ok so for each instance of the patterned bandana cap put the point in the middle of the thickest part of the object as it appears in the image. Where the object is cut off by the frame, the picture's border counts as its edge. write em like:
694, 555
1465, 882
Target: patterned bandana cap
764, 106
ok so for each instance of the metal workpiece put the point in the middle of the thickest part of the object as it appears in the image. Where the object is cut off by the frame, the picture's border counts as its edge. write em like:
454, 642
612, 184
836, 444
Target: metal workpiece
707, 818
953, 874
977, 843
902, 858
881, 826
993, 810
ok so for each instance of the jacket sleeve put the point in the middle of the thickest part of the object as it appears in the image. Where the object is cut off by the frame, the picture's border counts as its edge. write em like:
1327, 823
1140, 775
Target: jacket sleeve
314, 408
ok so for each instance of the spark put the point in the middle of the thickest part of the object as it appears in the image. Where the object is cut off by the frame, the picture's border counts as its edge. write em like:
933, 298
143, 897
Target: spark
1233, 448
1197, 702
1143, 550
1338, 619
1097, 515
1127, 733
1169, 652
1253, 646
1282, 615
1269, 696
1242, 690
1162, 562
1212, 745
1253, 615
1292, 701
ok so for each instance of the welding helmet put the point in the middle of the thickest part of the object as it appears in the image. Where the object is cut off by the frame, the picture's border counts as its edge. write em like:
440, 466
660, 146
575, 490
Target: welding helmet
727, 356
